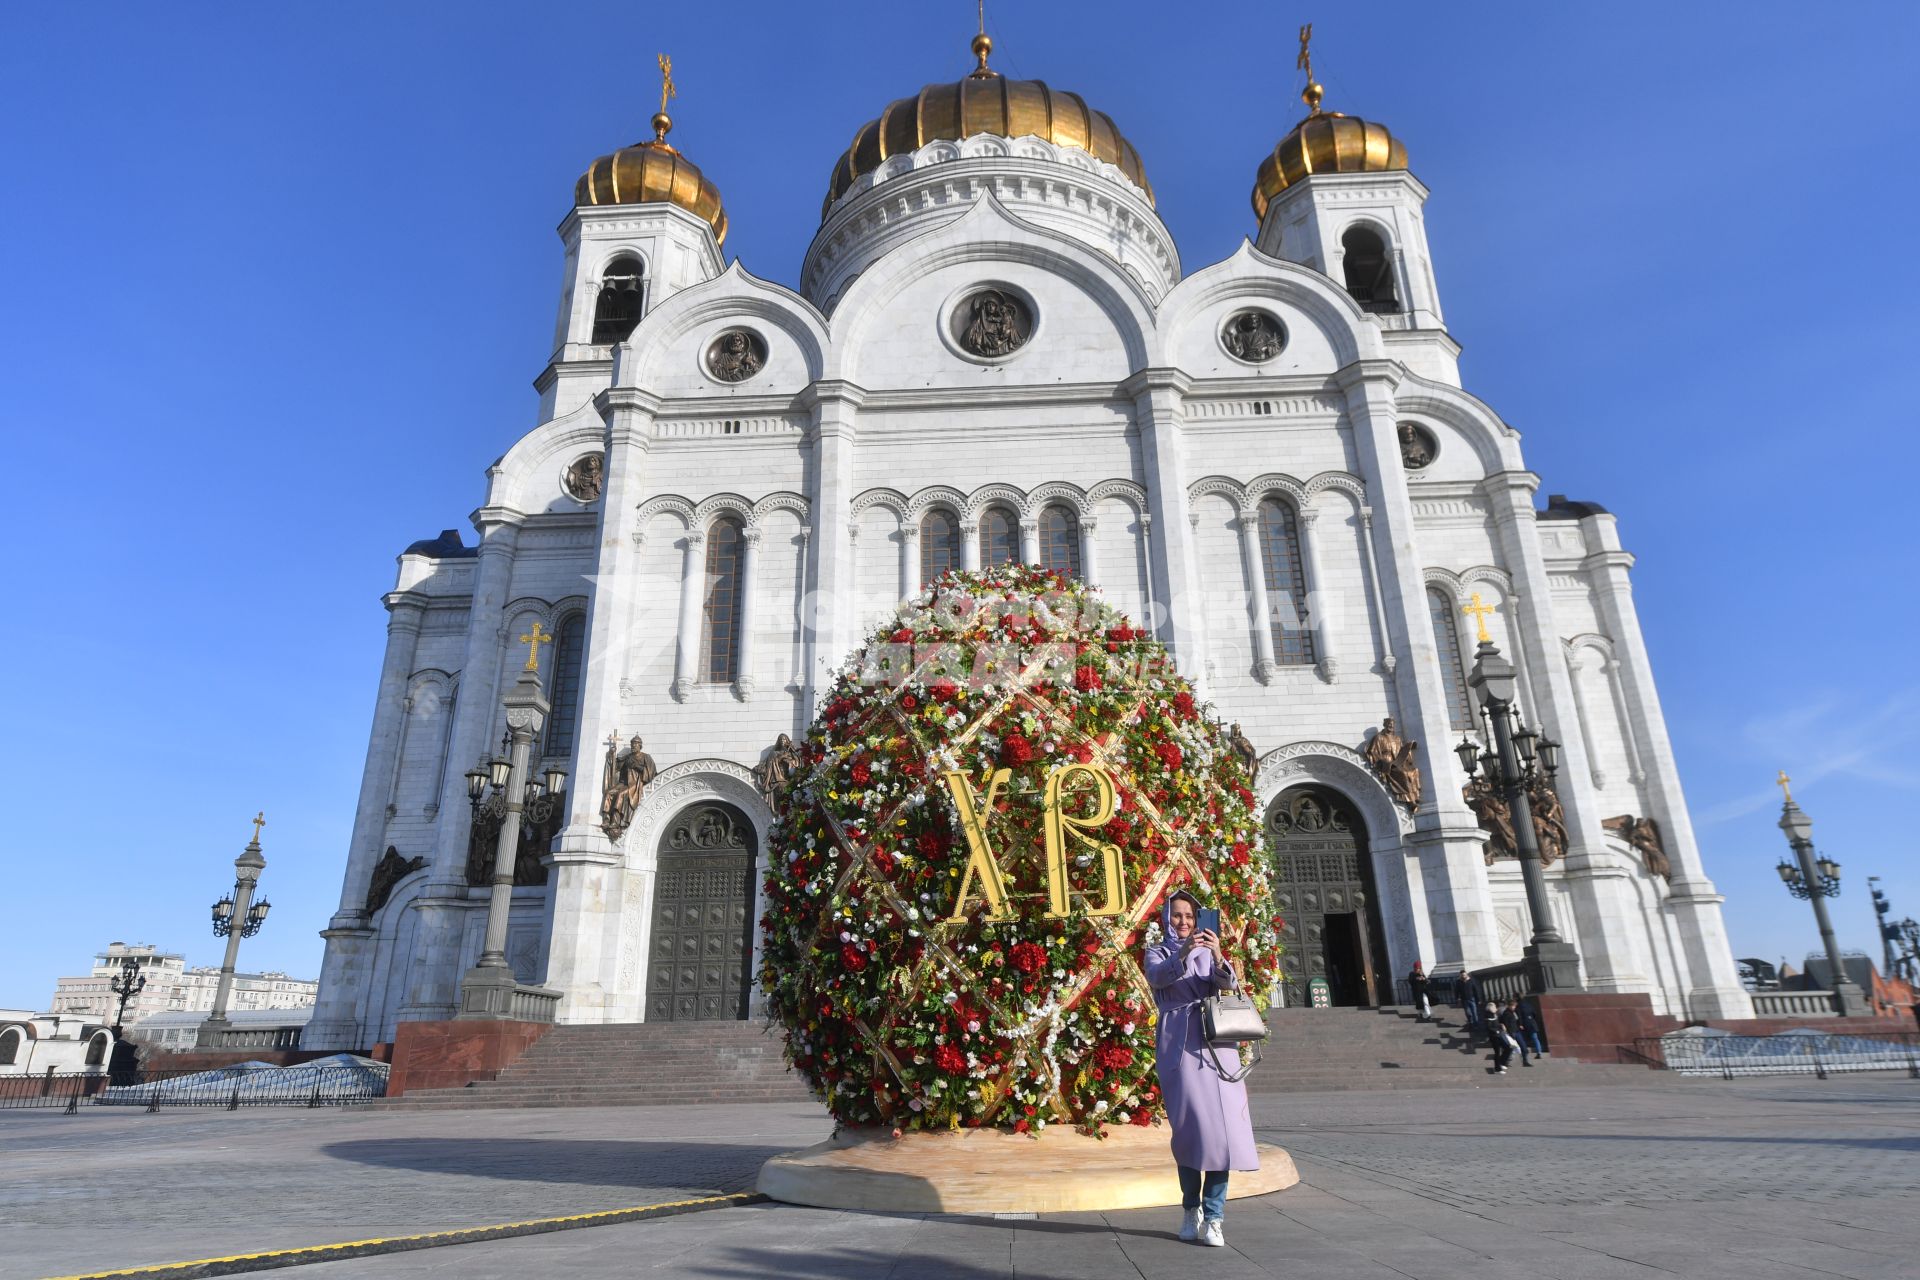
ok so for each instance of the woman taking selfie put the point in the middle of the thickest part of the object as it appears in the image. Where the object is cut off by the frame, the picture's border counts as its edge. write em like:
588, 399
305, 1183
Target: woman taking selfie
1212, 1130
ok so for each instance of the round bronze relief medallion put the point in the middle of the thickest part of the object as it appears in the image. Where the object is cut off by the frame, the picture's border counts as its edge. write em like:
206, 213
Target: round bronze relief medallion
586, 478
992, 322
1418, 446
1253, 336
736, 355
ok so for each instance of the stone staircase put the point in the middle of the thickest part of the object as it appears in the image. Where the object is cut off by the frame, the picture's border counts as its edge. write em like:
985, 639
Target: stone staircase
1390, 1048
632, 1065
666, 1064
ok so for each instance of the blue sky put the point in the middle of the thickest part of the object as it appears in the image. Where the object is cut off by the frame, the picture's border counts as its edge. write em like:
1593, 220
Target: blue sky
274, 281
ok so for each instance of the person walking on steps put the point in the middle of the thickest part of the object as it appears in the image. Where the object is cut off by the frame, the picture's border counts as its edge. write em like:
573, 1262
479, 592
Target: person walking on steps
1467, 990
1509, 1027
1499, 1037
1417, 982
1212, 1128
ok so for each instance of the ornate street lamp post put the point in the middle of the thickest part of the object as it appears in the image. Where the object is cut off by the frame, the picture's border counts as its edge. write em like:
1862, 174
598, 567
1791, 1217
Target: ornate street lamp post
1888, 933
235, 917
1518, 758
1816, 880
488, 989
129, 984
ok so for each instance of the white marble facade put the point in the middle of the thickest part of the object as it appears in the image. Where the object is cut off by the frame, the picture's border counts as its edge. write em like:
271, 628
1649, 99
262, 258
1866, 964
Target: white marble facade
1125, 406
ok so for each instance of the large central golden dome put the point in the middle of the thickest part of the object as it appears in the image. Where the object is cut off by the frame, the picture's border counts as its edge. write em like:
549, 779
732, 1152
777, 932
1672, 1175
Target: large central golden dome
984, 102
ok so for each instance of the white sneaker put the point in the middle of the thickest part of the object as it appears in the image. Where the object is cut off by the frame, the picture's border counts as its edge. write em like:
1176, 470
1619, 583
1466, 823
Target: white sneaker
1212, 1234
1190, 1224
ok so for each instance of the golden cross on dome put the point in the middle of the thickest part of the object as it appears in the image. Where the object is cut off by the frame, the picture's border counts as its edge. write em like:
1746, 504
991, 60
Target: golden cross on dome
1311, 95
533, 641
260, 820
1480, 613
1782, 782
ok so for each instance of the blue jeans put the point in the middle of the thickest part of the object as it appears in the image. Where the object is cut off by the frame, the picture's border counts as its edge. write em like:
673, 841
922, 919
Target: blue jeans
1212, 1193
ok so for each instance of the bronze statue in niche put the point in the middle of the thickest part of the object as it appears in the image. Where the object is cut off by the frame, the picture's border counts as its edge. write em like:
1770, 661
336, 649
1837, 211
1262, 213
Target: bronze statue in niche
782, 762
1392, 758
623, 780
1643, 834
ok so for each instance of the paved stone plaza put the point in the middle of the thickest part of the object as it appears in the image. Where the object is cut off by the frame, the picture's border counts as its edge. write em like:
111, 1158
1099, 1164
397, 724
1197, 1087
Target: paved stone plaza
1753, 1179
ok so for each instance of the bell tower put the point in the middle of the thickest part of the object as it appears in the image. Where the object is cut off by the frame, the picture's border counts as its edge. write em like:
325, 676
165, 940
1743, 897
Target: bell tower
1335, 195
646, 223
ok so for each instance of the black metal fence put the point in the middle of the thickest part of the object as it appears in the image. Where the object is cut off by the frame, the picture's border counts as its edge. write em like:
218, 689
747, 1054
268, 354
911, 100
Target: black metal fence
227, 1087
1812, 1053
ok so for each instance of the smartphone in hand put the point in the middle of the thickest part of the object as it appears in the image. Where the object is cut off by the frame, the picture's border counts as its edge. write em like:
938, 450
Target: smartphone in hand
1207, 918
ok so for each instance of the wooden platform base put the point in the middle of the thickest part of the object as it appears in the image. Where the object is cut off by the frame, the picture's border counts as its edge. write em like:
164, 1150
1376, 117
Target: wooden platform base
990, 1171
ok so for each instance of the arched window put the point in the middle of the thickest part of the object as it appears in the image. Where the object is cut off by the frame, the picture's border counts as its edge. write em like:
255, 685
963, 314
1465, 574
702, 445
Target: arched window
726, 542
1453, 673
939, 544
10, 1046
563, 686
999, 537
1060, 541
1369, 270
96, 1050
1286, 583
617, 310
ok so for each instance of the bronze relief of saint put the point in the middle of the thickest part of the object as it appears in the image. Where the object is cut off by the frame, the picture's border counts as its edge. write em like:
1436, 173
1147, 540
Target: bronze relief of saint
1253, 336
623, 779
1392, 758
736, 355
996, 324
586, 479
1417, 446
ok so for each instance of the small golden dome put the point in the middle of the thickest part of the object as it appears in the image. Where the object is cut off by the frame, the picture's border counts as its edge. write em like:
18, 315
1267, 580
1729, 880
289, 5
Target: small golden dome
1325, 142
984, 102
653, 172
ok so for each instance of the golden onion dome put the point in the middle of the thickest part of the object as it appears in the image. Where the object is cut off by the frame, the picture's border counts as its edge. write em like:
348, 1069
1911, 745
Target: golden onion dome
1325, 142
984, 102
653, 172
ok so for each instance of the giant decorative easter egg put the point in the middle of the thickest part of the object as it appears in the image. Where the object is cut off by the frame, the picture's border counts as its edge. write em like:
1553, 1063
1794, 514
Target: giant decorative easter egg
1002, 786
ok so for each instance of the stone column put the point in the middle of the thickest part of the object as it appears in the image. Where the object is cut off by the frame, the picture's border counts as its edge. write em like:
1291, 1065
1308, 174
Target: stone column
1446, 837
1089, 558
749, 563
1030, 542
1264, 665
347, 967
970, 545
587, 874
909, 558
693, 582
441, 906
1174, 571
1319, 607
1612, 944
1715, 990
828, 613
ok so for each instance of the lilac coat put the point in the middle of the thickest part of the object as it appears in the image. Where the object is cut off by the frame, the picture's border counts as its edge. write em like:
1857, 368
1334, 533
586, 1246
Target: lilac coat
1212, 1128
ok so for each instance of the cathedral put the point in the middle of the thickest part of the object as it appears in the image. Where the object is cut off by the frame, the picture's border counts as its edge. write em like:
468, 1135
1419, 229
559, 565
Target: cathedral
994, 354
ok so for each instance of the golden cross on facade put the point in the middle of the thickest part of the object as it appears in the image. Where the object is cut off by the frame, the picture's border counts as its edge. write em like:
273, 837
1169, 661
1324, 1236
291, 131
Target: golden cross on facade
260, 820
1782, 782
533, 640
667, 87
1480, 613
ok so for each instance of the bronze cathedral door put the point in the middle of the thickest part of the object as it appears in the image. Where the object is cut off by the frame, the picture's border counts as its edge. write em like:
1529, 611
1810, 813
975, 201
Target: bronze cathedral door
702, 941
1324, 890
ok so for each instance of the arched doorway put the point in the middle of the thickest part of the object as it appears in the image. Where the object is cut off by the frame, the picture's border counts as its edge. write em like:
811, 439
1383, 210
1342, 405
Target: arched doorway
702, 943
1324, 890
